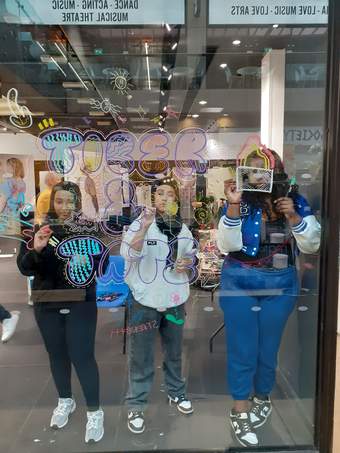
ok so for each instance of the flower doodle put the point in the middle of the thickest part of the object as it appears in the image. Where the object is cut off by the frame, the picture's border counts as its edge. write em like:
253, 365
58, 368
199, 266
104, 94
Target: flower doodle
79, 252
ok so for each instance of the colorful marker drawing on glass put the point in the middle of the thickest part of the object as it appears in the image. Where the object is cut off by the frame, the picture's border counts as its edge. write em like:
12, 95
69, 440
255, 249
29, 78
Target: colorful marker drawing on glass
79, 252
106, 106
78, 223
59, 142
173, 318
21, 116
175, 298
121, 81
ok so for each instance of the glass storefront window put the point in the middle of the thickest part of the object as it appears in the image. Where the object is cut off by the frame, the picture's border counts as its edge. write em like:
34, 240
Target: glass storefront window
160, 204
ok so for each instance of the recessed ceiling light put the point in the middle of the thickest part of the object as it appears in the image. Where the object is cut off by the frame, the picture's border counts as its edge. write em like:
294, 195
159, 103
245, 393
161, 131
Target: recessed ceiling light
203, 102
83, 101
236, 42
195, 115
103, 123
276, 26
212, 110
223, 65
96, 113
225, 114
4, 129
173, 47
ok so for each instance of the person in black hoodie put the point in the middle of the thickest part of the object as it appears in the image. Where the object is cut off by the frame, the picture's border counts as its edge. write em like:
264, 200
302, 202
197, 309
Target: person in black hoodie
66, 316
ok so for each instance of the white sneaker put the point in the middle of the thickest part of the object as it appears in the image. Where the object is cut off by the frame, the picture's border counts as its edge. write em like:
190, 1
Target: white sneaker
243, 429
136, 422
183, 404
9, 325
94, 426
66, 406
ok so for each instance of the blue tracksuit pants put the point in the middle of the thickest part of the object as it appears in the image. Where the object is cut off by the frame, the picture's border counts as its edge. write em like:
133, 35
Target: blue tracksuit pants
256, 303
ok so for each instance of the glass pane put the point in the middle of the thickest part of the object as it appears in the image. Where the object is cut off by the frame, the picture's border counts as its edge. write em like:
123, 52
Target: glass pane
160, 190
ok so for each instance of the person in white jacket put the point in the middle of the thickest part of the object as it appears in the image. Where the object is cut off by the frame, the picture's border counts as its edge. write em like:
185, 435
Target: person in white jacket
260, 233
159, 254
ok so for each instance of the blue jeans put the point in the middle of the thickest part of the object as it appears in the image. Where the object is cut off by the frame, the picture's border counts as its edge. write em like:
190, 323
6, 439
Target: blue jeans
141, 344
256, 305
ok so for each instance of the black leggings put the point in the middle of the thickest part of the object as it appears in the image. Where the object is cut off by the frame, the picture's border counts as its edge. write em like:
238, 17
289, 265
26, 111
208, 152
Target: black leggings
69, 338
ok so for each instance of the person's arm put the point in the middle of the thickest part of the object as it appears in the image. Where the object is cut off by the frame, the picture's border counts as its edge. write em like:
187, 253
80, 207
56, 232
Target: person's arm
229, 234
306, 230
30, 262
133, 241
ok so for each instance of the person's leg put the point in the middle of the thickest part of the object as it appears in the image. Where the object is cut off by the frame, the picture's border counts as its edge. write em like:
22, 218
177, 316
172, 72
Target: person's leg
51, 324
81, 325
52, 328
275, 311
4, 314
273, 316
172, 337
140, 354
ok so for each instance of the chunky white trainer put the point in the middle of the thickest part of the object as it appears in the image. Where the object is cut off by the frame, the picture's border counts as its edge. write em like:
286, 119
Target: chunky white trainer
9, 325
66, 406
182, 403
260, 411
94, 426
243, 429
136, 423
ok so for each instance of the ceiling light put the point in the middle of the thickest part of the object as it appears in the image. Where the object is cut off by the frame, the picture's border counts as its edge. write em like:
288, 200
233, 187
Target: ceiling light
173, 47
83, 100
72, 84
276, 26
223, 65
164, 108
212, 110
162, 93
57, 65
236, 42
203, 102
195, 115
170, 77
76, 73
168, 27
147, 63
60, 50
165, 68
103, 123
40, 45
4, 129
225, 114
96, 113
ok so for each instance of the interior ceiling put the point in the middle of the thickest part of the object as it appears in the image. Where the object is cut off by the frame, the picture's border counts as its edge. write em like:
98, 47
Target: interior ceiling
35, 60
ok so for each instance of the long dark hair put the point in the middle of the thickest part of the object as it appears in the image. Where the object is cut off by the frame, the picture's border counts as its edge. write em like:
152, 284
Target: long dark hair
281, 184
69, 187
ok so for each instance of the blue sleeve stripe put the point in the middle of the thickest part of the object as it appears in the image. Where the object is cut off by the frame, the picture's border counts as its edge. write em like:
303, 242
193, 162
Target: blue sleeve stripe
231, 222
300, 227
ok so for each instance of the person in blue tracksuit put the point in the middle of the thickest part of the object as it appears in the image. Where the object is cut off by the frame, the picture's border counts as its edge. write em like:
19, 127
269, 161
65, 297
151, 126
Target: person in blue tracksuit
260, 234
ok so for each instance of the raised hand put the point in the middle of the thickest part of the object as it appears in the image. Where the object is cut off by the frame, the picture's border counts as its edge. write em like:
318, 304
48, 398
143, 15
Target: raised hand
148, 216
232, 196
41, 238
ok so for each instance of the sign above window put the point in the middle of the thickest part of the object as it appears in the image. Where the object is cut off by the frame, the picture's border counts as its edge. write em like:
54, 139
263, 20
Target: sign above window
95, 12
223, 12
